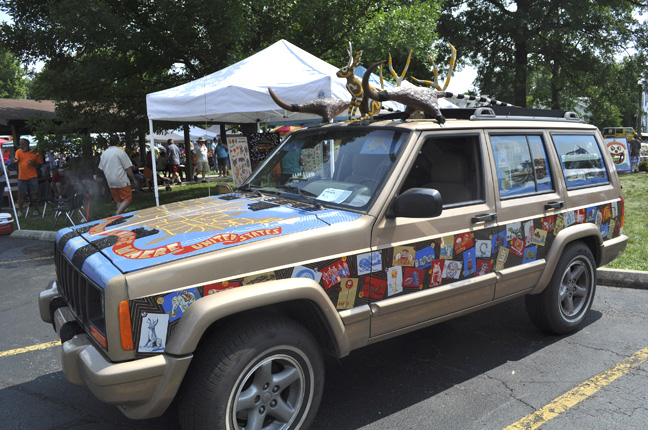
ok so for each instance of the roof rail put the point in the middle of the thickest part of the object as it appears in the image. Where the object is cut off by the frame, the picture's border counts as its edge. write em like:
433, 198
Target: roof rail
510, 113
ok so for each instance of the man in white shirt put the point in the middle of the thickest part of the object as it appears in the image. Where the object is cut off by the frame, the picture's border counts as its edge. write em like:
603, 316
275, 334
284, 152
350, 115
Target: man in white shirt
202, 160
117, 168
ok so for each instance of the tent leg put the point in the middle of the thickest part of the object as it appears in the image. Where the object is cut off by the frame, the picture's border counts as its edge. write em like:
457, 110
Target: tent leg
154, 164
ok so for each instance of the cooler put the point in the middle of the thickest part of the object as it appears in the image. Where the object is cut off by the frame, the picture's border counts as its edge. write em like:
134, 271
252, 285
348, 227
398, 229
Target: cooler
6, 223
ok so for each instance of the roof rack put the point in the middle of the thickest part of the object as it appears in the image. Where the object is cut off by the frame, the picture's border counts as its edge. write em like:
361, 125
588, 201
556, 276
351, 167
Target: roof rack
510, 113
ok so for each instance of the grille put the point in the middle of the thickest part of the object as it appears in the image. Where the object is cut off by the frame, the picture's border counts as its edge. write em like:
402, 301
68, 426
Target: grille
83, 296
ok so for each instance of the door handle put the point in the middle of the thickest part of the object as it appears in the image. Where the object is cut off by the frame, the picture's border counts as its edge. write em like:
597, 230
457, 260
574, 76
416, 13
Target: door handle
484, 218
555, 205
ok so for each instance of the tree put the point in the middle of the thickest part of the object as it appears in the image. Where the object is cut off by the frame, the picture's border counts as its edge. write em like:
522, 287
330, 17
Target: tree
13, 83
509, 39
99, 70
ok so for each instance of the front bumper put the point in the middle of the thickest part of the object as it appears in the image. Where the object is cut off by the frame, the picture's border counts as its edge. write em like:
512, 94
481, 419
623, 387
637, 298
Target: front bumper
141, 388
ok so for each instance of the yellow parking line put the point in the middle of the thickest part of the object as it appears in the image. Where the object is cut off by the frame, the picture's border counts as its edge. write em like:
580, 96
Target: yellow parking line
580, 393
23, 261
29, 348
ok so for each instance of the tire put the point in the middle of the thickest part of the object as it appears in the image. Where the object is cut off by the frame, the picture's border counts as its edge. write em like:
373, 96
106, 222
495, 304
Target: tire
563, 305
266, 373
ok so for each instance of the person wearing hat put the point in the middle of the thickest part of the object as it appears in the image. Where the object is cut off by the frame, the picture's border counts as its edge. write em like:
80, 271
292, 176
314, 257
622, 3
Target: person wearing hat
202, 158
173, 161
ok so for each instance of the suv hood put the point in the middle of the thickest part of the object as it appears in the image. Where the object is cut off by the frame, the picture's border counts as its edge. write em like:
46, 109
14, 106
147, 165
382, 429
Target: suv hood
170, 232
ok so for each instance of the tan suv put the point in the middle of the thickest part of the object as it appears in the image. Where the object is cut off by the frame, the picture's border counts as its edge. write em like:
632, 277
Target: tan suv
346, 235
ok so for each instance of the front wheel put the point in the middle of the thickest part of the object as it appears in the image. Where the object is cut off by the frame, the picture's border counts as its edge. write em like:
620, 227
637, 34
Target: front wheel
264, 374
563, 305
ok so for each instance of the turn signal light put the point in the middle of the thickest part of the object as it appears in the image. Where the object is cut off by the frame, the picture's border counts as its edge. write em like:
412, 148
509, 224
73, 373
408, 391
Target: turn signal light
125, 329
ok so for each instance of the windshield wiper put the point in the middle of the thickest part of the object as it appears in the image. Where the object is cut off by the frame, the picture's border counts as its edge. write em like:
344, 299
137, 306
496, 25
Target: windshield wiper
249, 189
301, 195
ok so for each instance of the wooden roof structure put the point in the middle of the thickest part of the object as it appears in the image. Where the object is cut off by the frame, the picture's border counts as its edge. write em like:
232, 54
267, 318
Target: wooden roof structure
14, 114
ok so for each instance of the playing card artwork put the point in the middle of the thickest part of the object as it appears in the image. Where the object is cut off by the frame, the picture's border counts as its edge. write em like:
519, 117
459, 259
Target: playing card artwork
332, 274
502, 256
436, 272
483, 248
462, 242
447, 245
539, 237
413, 278
470, 262
348, 289
530, 254
483, 267
394, 280
452, 269
374, 288
514, 230
529, 229
369, 262
404, 256
220, 286
424, 257
305, 272
153, 333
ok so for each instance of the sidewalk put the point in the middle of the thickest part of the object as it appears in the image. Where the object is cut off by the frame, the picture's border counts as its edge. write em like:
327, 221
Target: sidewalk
609, 277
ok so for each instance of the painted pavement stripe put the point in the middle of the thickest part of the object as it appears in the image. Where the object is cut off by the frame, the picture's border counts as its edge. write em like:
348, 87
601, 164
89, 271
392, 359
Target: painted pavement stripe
580, 393
23, 261
29, 348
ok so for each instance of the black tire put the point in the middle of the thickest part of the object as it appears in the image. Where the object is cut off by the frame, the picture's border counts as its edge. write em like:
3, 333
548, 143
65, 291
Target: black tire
563, 305
269, 369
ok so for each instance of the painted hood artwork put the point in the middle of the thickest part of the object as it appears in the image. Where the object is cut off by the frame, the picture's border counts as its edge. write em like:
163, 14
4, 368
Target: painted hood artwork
127, 243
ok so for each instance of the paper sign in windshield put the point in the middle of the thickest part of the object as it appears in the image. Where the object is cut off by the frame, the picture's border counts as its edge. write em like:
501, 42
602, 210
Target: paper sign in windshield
334, 195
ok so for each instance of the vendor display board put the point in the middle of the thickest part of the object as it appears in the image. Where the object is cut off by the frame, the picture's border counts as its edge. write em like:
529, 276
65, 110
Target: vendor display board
618, 148
262, 144
239, 156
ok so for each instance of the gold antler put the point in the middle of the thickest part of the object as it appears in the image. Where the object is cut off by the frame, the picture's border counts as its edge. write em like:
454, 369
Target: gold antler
435, 83
399, 79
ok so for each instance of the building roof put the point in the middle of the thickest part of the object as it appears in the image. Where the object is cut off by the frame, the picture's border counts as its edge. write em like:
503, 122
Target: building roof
15, 113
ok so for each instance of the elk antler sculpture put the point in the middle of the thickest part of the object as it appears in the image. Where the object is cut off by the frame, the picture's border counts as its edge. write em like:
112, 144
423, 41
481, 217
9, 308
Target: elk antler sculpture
359, 101
435, 83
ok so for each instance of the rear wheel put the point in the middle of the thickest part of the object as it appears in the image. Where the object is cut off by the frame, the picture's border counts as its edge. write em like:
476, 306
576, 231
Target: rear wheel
264, 374
563, 305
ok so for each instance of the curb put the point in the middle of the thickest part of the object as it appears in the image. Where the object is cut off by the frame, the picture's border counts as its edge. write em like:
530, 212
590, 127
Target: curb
622, 278
49, 236
636, 279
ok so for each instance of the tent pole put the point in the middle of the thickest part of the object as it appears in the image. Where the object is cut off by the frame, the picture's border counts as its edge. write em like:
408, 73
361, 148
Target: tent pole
8, 186
154, 163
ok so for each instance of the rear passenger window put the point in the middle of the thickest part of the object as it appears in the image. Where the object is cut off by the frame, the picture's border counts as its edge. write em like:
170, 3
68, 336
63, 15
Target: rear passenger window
581, 160
522, 166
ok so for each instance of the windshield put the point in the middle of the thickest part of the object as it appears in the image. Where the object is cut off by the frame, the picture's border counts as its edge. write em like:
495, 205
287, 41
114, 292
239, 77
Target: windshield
342, 167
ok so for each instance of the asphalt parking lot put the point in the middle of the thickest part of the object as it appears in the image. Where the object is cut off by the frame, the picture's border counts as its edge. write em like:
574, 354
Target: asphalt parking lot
488, 370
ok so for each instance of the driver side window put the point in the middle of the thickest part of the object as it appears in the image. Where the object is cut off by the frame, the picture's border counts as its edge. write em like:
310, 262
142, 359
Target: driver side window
452, 166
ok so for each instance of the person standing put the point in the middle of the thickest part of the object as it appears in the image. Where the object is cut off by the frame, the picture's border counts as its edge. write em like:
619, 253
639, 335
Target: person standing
117, 168
635, 153
28, 161
222, 157
173, 161
202, 160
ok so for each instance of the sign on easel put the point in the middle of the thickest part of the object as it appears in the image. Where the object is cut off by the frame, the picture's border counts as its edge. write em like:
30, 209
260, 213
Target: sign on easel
239, 156
618, 149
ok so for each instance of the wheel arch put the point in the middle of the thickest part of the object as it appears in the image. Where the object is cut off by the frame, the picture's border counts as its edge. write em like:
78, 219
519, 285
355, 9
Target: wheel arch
300, 299
588, 233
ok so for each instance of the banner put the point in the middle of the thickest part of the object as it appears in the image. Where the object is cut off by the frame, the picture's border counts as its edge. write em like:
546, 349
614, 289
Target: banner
239, 156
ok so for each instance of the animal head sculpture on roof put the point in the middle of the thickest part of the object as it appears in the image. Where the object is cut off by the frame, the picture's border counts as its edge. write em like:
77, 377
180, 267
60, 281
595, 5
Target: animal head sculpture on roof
327, 108
420, 98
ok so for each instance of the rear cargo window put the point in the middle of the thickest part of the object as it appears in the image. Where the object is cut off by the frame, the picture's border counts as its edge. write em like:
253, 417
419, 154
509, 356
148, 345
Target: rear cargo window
581, 160
522, 166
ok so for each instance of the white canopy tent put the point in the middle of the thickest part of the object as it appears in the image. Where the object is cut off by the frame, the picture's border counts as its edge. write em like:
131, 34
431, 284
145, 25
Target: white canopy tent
239, 93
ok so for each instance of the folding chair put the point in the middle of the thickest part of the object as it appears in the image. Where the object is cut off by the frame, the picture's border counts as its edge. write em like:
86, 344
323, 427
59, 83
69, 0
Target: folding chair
68, 207
44, 196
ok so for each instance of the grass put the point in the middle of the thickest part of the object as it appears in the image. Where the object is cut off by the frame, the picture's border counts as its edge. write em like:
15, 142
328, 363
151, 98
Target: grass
635, 193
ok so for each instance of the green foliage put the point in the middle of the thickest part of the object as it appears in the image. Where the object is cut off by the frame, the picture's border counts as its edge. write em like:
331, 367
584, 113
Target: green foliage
102, 57
541, 53
13, 83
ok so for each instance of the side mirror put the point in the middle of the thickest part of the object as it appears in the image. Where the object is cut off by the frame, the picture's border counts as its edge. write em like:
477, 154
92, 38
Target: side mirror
417, 203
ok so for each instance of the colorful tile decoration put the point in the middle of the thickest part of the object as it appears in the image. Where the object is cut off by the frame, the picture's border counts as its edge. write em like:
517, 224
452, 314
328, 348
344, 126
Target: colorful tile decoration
357, 280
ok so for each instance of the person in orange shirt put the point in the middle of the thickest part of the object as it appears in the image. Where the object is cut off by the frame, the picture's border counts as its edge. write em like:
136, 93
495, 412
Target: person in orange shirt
28, 162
